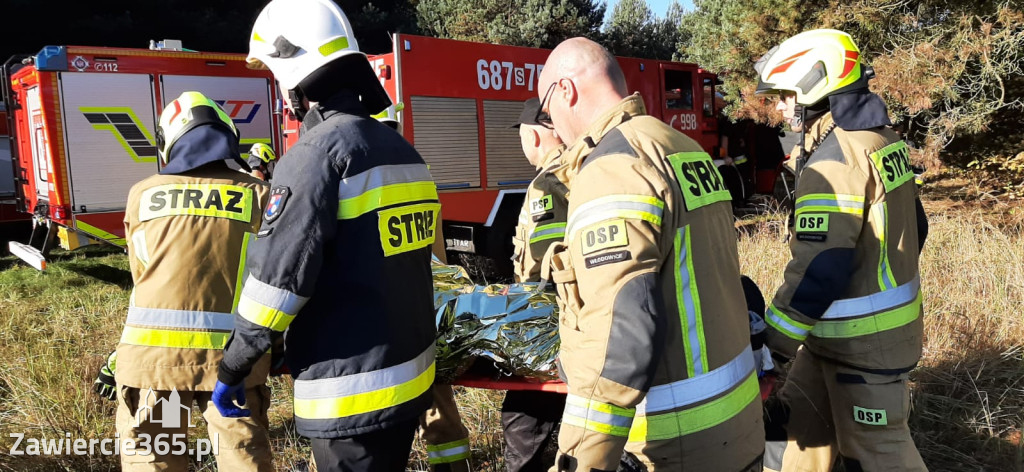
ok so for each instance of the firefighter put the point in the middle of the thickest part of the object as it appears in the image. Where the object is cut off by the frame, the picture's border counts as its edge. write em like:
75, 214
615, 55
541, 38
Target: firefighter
342, 262
849, 309
654, 331
187, 230
262, 160
528, 416
441, 427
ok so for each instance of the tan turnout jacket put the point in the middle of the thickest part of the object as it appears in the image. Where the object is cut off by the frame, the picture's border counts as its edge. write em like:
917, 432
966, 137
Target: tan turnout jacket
654, 329
187, 237
852, 289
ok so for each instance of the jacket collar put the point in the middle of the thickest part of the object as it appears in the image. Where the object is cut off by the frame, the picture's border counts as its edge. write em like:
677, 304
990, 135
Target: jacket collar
625, 110
346, 102
859, 110
629, 107
816, 130
552, 158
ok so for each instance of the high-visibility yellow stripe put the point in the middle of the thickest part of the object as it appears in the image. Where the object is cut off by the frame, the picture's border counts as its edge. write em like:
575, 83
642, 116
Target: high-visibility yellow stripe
240, 277
695, 297
174, 338
99, 233
786, 325
263, 315
448, 452
886, 280
386, 195
340, 407
596, 416
830, 203
693, 420
448, 445
590, 425
884, 321
333, 46
600, 406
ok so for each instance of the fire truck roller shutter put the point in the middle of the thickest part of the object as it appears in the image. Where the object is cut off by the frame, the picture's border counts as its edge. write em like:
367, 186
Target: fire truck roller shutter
506, 165
446, 134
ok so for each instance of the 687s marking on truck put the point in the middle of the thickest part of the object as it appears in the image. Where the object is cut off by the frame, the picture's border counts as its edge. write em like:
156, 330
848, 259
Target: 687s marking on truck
495, 75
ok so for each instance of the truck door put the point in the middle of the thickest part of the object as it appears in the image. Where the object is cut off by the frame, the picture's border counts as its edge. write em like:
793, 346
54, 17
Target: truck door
37, 138
110, 128
678, 99
709, 111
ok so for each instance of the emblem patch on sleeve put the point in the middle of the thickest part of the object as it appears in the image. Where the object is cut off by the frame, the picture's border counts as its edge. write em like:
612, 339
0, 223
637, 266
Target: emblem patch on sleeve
604, 235
275, 205
542, 204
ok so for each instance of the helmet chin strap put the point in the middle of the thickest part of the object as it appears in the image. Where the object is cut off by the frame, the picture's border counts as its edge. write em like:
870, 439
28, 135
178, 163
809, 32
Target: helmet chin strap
801, 157
297, 99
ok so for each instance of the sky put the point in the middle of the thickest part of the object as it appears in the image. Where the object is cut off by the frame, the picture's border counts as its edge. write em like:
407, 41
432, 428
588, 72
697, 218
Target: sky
659, 7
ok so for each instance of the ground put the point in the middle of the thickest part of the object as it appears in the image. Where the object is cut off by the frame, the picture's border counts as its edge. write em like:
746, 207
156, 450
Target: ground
968, 391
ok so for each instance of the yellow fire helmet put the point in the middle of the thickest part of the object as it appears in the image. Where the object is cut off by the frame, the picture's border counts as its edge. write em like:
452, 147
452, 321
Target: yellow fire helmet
185, 113
813, 64
261, 153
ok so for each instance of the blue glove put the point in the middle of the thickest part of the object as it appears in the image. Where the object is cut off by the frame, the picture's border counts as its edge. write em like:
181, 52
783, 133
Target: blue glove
224, 396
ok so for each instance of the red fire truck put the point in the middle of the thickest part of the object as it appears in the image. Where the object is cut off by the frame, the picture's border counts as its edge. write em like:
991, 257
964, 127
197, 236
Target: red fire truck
82, 123
460, 100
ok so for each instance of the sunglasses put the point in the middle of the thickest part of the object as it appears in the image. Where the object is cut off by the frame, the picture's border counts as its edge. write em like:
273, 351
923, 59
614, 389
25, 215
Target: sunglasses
543, 118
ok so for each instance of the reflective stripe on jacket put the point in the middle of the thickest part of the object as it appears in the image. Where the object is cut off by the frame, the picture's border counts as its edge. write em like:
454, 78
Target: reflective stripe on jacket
187, 235
852, 289
342, 266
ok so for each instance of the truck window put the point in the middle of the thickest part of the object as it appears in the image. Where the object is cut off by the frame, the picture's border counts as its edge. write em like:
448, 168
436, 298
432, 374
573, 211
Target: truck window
709, 97
678, 90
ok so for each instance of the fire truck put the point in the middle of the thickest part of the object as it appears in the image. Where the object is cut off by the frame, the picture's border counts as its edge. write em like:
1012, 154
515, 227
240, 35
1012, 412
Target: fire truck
459, 101
82, 122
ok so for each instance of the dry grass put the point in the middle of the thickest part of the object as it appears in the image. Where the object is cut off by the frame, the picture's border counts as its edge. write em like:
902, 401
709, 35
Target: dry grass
56, 328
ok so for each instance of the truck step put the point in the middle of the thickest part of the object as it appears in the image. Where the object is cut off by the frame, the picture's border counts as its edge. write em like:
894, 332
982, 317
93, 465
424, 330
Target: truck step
29, 254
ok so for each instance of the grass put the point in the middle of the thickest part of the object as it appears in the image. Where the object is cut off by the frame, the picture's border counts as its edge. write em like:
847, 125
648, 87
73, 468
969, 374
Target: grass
968, 392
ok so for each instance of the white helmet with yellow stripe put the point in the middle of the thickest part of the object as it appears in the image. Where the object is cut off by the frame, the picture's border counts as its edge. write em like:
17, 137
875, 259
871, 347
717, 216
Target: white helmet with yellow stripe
813, 64
294, 38
187, 112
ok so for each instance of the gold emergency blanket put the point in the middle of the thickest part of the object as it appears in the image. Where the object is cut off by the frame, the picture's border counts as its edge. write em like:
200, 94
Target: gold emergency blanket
515, 326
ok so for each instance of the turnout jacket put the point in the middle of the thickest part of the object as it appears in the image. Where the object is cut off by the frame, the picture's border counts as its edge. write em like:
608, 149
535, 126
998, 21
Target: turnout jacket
851, 292
542, 218
187, 236
654, 330
343, 264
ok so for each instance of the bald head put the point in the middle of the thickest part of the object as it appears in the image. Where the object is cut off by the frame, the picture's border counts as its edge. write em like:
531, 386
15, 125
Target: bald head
587, 82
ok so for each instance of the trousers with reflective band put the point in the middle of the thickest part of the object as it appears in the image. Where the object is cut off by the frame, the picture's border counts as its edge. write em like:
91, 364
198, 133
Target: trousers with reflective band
210, 200
366, 392
448, 452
